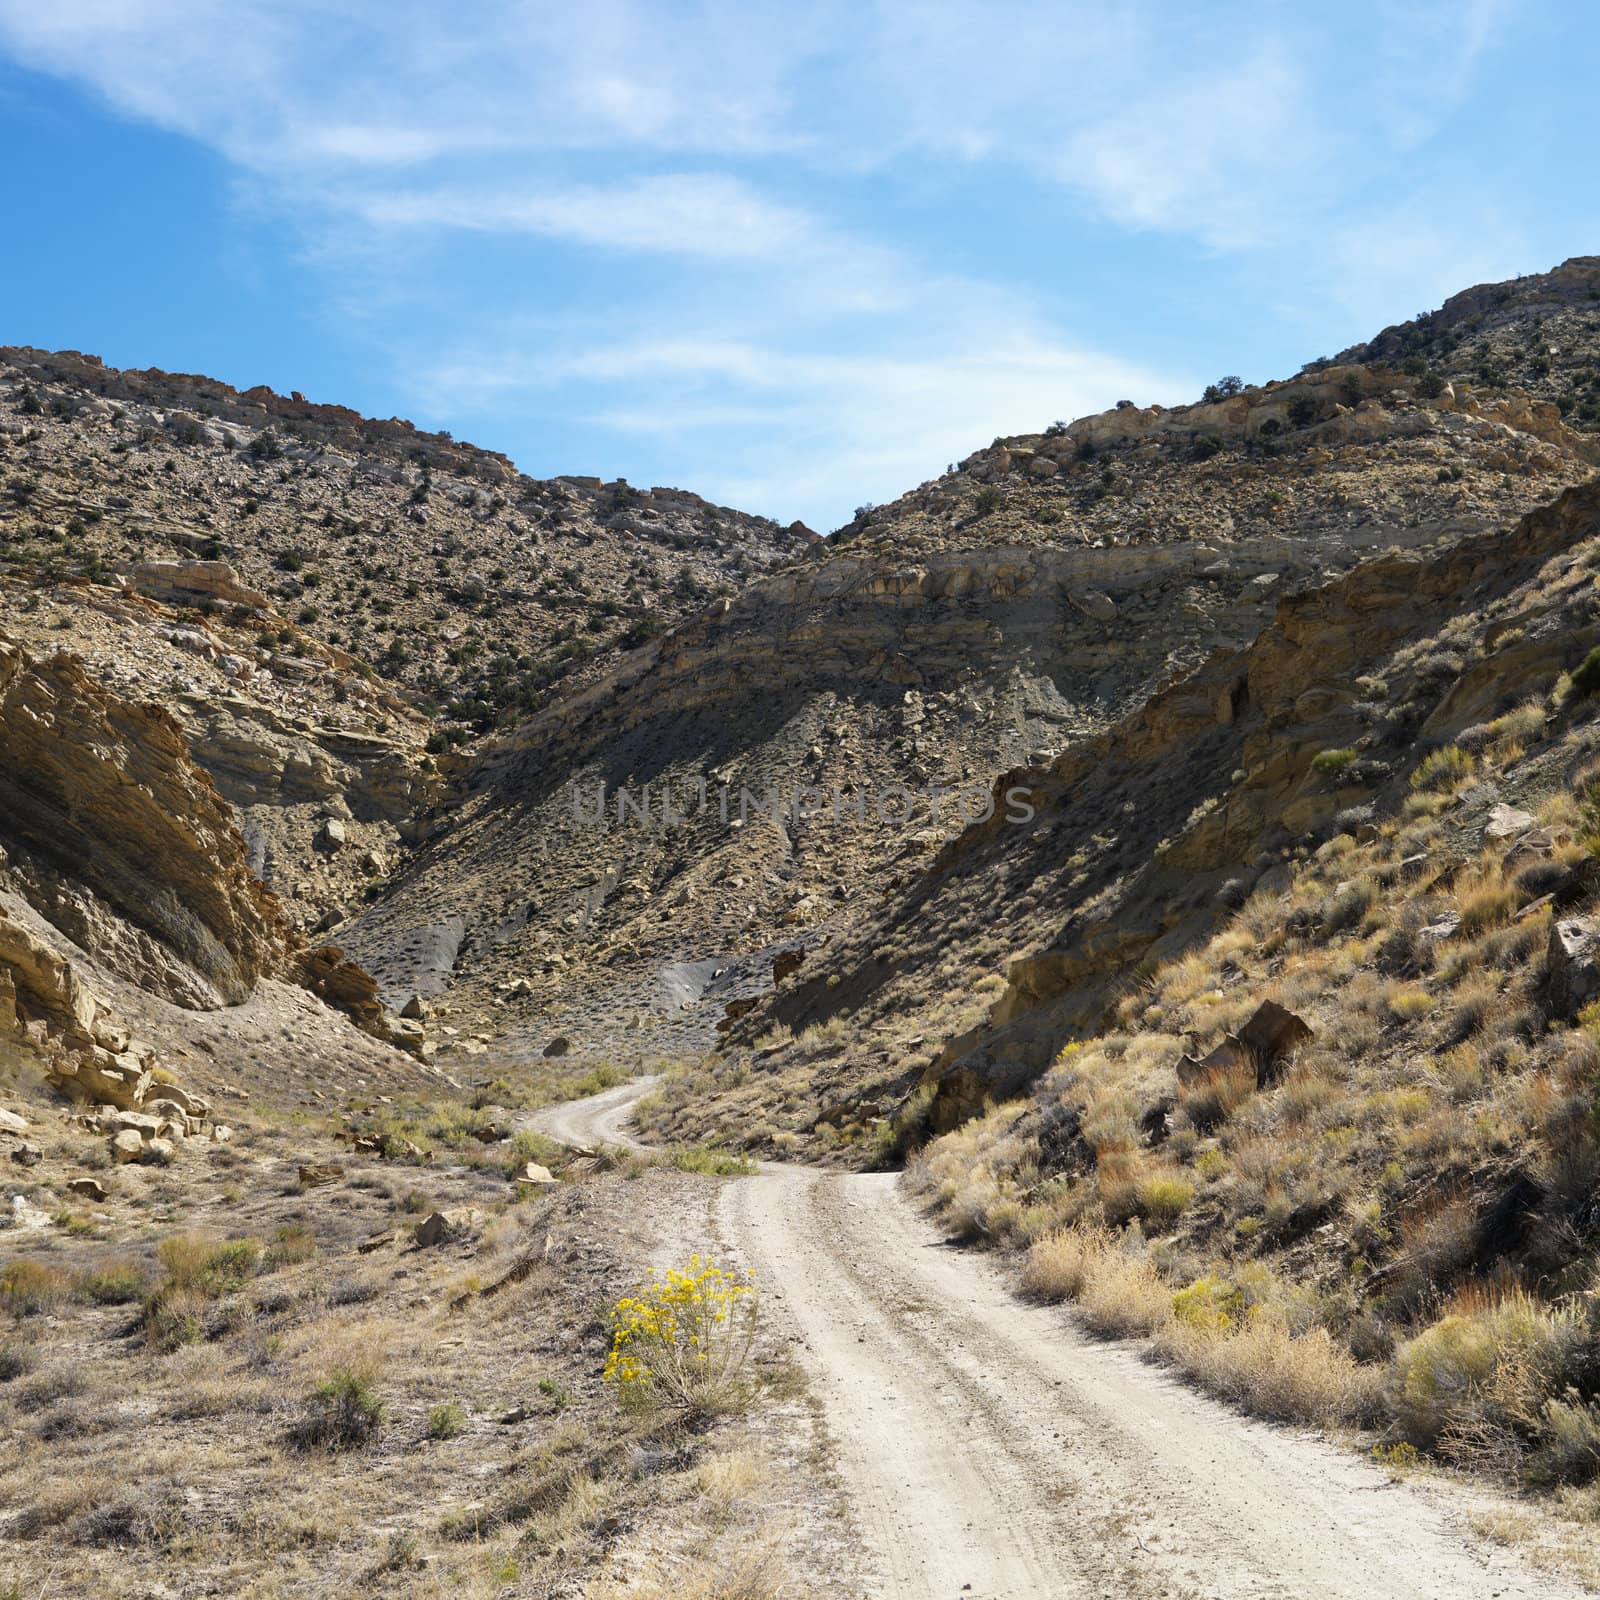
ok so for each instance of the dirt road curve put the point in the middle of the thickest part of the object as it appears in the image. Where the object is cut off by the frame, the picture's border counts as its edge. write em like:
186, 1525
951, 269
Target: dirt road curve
993, 1452
601, 1119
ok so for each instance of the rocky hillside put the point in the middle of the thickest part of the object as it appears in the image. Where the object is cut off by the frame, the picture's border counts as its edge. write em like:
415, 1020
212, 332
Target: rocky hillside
996, 618
458, 582
1540, 334
1148, 837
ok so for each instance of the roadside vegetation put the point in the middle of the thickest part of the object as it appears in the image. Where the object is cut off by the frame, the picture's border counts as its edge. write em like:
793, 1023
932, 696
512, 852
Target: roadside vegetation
1394, 1224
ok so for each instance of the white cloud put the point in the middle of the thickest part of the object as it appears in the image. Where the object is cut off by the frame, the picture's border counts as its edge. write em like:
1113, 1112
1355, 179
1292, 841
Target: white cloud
1204, 158
853, 427
678, 214
1148, 107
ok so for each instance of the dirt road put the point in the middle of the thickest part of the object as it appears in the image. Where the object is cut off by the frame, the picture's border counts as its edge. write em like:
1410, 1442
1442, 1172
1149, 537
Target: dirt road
601, 1119
992, 1451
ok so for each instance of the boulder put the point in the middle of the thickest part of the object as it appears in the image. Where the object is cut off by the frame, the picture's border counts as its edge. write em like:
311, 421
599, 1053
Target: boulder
558, 1046
314, 1174
347, 986
1156, 1123
1092, 603
126, 1146
1273, 1031
1506, 822
332, 835
1572, 963
1581, 884
27, 1155
139, 1122
10, 1122
736, 1009
415, 1009
446, 1227
159, 1152
1264, 1042
534, 1173
1537, 845
784, 966
188, 581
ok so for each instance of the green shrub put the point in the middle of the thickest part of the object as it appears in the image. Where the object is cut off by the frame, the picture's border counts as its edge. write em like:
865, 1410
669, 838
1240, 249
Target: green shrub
344, 1413
29, 1287
1209, 1304
1330, 763
1471, 1371
17, 1360
292, 1243
1586, 677
1443, 769
1163, 1198
446, 1421
174, 1316
709, 1161
115, 1284
1569, 1444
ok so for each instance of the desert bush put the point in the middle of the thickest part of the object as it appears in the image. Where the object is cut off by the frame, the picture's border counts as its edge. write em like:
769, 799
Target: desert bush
115, 1283
1163, 1197
710, 1161
212, 1267
1586, 676
446, 1421
17, 1360
1485, 902
292, 1243
1209, 1304
1443, 769
174, 1317
684, 1339
1123, 1295
1209, 1103
1057, 1265
1406, 1005
1263, 1367
1474, 1370
30, 1287
1330, 763
200, 1269
1568, 1449
343, 1413
755, 1572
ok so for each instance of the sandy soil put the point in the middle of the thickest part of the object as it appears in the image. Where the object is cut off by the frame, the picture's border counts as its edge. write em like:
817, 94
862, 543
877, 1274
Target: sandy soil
992, 1450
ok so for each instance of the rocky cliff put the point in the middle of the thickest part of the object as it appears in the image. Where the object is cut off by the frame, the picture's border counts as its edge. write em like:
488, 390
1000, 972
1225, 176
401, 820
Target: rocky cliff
112, 832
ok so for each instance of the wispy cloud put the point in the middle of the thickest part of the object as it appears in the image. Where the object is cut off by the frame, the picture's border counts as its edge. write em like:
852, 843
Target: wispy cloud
866, 425
678, 214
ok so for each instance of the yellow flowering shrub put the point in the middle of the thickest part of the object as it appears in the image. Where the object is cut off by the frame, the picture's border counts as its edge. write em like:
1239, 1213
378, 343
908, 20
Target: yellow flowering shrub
684, 1338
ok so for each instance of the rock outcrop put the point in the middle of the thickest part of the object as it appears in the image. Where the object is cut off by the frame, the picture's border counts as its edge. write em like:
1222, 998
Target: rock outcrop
191, 581
84, 1048
119, 839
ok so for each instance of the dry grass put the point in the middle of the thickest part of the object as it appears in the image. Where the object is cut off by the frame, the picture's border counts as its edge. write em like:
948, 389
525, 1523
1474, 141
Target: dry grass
1263, 1368
753, 1574
1250, 1358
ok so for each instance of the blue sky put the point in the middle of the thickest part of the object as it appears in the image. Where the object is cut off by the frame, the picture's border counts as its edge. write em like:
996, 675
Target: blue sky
794, 257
